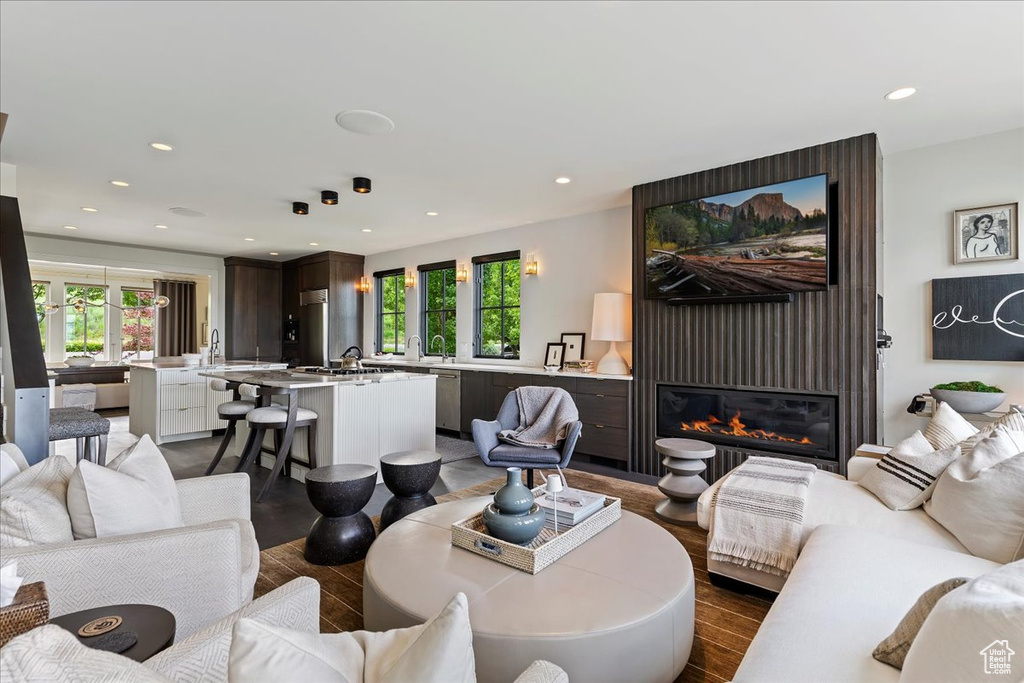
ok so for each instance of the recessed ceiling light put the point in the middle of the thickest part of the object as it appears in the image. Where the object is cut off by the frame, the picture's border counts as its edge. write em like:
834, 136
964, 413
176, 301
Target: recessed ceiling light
365, 122
250, 239
160, 227
70, 227
314, 244
274, 253
162, 146
89, 209
367, 230
119, 183
562, 180
431, 213
900, 93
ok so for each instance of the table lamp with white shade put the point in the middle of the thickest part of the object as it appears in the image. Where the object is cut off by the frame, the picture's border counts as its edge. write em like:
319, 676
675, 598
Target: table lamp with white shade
613, 322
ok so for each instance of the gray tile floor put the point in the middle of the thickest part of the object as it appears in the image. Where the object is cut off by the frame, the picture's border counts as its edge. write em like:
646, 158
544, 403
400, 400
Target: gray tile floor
285, 513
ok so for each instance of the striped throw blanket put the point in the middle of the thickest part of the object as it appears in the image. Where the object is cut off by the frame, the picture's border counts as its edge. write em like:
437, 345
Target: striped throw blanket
757, 515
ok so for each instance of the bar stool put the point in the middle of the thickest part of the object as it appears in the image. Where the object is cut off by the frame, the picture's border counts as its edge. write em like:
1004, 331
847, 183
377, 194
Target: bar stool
232, 411
276, 418
86, 427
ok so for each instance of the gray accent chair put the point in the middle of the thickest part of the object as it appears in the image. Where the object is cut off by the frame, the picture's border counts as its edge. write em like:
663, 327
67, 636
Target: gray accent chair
497, 453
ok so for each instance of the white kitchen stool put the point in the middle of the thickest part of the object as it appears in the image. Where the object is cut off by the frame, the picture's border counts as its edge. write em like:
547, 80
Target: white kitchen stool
232, 411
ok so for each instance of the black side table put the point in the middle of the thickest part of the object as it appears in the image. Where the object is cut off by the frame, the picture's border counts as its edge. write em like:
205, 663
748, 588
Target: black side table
343, 533
153, 626
409, 475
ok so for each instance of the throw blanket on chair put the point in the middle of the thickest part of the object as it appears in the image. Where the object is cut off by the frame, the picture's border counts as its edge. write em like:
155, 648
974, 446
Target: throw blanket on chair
545, 414
757, 515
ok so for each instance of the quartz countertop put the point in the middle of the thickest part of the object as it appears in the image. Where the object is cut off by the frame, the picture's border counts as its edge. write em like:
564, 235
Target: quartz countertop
224, 365
291, 379
487, 367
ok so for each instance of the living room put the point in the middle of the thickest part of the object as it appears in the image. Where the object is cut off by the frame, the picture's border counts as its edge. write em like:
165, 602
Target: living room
773, 326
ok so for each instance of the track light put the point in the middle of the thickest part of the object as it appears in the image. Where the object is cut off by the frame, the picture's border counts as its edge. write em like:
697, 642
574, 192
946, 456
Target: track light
361, 185
300, 208
328, 197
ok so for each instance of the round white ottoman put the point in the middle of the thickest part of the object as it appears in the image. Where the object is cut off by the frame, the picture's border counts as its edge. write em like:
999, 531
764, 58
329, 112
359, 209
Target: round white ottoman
618, 608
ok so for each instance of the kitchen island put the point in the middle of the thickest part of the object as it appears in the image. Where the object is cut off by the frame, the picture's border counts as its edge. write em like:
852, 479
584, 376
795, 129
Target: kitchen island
359, 417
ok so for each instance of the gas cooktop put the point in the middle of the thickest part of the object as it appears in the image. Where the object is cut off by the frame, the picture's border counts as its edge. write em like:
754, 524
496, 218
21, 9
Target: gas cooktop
342, 371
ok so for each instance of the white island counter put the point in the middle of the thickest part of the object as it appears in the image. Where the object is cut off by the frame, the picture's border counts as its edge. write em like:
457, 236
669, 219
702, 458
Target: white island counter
359, 417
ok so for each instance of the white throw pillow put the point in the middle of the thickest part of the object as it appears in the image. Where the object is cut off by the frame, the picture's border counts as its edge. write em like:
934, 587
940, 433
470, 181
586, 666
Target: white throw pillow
49, 653
960, 639
132, 494
12, 461
980, 498
905, 476
440, 651
33, 505
947, 427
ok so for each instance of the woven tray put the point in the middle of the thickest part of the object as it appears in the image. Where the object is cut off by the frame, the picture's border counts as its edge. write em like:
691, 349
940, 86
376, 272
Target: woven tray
471, 534
30, 608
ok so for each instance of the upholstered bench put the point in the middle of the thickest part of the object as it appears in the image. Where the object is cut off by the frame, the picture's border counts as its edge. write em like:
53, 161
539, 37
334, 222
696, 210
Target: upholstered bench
85, 427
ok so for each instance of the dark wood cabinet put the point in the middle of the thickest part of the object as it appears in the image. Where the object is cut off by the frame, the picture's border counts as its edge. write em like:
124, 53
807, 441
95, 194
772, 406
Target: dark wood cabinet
475, 398
252, 321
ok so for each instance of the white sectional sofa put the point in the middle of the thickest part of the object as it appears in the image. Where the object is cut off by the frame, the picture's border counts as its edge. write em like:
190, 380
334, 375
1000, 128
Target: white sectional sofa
862, 566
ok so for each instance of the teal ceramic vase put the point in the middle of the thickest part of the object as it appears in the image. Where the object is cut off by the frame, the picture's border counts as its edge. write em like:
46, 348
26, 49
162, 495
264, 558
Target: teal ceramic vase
513, 516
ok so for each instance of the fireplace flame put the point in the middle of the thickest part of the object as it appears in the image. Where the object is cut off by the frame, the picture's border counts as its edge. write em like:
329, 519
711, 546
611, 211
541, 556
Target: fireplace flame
736, 428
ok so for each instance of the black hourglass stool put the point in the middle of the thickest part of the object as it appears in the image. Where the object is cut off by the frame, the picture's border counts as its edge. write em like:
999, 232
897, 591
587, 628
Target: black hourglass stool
343, 533
409, 475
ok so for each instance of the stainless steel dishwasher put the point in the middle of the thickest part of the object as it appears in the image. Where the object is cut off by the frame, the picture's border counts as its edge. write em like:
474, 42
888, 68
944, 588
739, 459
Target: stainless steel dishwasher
449, 398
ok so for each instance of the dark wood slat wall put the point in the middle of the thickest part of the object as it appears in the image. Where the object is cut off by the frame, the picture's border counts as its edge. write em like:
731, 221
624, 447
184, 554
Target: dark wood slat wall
822, 343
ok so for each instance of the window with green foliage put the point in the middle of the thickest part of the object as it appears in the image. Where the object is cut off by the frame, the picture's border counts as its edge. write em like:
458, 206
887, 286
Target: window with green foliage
85, 326
137, 324
438, 309
497, 305
391, 312
41, 294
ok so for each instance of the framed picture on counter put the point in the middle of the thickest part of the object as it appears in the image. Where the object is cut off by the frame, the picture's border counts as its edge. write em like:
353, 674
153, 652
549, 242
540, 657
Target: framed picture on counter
574, 342
555, 354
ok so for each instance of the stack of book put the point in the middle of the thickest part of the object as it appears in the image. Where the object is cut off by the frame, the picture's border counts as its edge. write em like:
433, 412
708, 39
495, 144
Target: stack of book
573, 506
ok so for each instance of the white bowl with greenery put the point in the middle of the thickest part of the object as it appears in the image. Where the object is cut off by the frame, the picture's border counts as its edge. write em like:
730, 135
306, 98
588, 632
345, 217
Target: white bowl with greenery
969, 397
79, 361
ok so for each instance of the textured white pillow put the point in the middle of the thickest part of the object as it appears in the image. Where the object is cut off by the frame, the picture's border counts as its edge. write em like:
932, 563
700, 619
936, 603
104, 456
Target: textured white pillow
947, 427
980, 498
33, 505
905, 476
987, 611
49, 653
132, 494
440, 651
12, 461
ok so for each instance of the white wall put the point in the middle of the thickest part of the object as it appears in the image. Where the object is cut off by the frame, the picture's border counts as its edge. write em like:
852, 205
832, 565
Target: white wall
70, 251
922, 188
8, 180
578, 256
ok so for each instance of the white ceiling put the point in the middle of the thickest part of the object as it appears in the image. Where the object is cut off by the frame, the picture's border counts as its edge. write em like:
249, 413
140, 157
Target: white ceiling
491, 100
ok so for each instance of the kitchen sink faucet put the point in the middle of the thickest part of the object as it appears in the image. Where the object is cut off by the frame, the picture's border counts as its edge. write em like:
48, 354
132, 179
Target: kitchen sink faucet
214, 345
419, 346
444, 347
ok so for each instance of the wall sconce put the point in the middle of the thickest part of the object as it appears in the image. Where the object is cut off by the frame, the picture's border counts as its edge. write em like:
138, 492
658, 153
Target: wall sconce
364, 285
530, 265
461, 272
410, 279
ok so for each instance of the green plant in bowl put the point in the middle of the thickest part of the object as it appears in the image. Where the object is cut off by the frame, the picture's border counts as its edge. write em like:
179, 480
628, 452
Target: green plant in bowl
969, 397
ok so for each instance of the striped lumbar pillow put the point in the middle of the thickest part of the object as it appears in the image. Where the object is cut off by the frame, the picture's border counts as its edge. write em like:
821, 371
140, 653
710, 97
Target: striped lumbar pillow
905, 476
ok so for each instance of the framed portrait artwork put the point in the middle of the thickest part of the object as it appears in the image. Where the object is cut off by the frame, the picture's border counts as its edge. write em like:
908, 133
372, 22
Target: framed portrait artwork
555, 354
987, 233
574, 342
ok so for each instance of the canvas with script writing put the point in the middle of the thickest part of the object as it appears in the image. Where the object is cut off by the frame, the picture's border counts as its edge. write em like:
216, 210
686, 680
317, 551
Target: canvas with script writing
978, 318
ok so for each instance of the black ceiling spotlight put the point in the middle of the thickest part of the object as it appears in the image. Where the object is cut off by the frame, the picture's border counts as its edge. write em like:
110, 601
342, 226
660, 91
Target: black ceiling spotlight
300, 208
328, 197
361, 185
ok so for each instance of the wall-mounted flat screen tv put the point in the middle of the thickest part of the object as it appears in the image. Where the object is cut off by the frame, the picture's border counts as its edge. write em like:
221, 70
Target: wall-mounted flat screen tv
762, 241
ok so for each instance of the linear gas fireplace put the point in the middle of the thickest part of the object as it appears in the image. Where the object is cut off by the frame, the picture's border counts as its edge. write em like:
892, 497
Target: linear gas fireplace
783, 422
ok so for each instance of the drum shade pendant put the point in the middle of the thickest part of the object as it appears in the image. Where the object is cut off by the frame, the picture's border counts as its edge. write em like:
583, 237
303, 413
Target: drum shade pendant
329, 197
300, 208
361, 185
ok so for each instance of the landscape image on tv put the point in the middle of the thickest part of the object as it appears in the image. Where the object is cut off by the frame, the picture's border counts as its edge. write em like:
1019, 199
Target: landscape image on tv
765, 240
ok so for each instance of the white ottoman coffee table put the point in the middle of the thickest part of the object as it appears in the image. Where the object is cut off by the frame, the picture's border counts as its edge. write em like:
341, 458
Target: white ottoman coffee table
618, 608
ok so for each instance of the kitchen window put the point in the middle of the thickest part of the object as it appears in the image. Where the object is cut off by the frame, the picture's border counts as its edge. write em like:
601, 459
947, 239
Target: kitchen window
437, 306
137, 315
85, 326
390, 311
41, 294
497, 305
